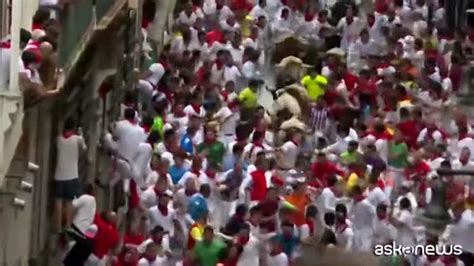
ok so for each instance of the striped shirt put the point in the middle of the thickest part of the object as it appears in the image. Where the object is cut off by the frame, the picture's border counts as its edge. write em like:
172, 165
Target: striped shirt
319, 119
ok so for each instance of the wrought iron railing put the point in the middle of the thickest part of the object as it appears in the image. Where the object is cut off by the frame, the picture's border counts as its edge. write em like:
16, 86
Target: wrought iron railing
77, 19
102, 7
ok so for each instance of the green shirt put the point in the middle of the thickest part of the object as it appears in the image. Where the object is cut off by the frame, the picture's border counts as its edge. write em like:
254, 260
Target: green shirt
208, 254
399, 155
314, 85
349, 157
248, 98
215, 152
158, 125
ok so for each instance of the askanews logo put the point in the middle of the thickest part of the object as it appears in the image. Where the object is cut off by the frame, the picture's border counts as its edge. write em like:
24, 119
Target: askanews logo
427, 250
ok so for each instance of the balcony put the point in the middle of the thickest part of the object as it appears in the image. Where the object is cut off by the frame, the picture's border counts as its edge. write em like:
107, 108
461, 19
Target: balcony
82, 19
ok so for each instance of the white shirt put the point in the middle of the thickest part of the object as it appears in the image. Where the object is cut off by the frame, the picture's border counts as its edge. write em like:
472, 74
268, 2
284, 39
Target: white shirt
165, 244
210, 8
231, 73
236, 53
363, 215
228, 27
183, 18
436, 135
157, 71
457, 165
180, 122
257, 11
406, 233
159, 261
278, 260
384, 232
227, 120
85, 208
376, 196
153, 177
410, 197
157, 218
289, 155
350, 33
462, 232
129, 138
198, 179
250, 253
327, 201
365, 49
189, 111
249, 70
68, 157
148, 198
141, 163
345, 239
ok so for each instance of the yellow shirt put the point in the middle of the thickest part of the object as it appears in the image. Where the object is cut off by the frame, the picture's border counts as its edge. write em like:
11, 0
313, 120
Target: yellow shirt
248, 98
314, 86
352, 181
197, 232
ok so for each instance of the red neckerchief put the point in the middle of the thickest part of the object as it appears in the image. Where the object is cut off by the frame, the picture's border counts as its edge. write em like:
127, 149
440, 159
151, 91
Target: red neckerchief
349, 20
146, 22
132, 121
463, 136
196, 108
310, 224
68, 134
382, 216
211, 174
371, 23
189, 192
448, 260
358, 198
332, 66
179, 114
196, 172
147, 128
294, 142
257, 143
225, 95
341, 227
169, 148
242, 240
308, 17
36, 26
6, 45
275, 252
163, 210
157, 192
219, 64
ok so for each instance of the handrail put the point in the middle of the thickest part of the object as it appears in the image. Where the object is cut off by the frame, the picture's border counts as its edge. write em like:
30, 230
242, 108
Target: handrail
78, 18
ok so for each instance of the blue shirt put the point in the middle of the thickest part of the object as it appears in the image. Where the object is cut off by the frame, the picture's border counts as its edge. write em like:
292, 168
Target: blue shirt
228, 162
288, 245
186, 143
197, 206
176, 173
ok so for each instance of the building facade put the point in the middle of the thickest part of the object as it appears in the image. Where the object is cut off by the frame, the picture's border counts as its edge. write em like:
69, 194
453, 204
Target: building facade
96, 53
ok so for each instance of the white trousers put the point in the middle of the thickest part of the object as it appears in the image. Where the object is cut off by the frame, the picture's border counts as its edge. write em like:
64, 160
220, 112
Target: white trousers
363, 239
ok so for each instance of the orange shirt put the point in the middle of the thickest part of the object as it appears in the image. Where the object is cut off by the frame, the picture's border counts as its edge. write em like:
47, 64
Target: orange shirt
300, 202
